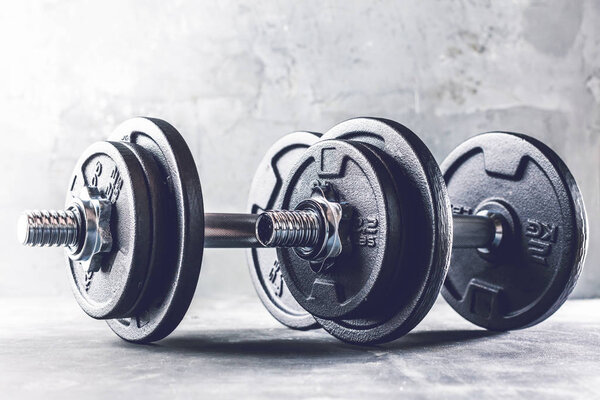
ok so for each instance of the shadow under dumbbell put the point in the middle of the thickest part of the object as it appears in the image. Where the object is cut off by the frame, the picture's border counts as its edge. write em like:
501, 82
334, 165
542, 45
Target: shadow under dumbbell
272, 344
429, 339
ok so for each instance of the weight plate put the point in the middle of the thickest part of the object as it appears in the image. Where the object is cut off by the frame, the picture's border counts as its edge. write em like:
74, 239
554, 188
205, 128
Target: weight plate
157, 221
523, 180
362, 276
113, 290
174, 282
264, 266
424, 252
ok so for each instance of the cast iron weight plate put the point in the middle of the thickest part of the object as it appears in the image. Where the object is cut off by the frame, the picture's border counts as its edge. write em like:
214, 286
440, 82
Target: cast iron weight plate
114, 170
174, 281
423, 262
264, 267
157, 221
358, 280
524, 180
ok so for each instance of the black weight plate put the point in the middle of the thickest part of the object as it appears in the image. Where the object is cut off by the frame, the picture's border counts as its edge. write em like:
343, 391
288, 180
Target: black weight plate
157, 220
115, 171
263, 263
173, 283
359, 279
523, 179
422, 264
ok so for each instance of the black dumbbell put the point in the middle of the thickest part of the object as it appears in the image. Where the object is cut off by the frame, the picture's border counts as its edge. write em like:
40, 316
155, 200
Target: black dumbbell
134, 229
518, 232
365, 251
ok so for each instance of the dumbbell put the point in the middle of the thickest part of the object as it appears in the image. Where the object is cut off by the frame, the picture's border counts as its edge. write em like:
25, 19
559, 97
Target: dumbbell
364, 248
134, 229
518, 232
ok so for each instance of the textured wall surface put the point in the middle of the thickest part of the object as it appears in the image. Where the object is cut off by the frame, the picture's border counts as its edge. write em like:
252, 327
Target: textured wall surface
235, 77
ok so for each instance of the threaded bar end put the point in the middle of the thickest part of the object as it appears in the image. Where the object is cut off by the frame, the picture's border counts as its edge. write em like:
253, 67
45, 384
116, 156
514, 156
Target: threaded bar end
48, 228
289, 229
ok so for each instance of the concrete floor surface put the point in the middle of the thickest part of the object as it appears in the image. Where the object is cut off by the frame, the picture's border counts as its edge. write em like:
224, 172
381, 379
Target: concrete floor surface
234, 349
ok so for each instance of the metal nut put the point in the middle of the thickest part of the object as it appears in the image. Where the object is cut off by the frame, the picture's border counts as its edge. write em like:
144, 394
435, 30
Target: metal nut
94, 219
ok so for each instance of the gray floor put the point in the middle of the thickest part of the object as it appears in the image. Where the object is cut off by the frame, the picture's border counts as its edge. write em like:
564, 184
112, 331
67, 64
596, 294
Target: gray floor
233, 349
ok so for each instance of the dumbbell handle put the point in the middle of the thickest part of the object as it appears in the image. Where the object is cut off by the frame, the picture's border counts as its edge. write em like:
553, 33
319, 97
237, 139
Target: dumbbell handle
475, 231
239, 231
63, 228
230, 230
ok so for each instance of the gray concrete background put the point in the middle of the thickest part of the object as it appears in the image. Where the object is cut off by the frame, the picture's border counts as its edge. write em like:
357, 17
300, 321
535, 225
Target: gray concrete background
234, 77
227, 349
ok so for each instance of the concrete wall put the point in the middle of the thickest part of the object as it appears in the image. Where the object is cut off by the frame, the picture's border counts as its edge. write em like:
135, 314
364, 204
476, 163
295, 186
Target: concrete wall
233, 77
